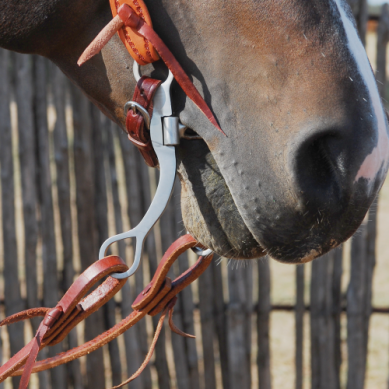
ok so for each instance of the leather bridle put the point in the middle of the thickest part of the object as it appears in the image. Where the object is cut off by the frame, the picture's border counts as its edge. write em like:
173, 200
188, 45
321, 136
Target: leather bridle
155, 132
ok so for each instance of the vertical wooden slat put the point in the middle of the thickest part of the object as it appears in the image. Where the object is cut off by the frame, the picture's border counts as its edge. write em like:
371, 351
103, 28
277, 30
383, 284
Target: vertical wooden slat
131, 345
382, 41
263, 324
355, 310
101, 206
26, 135
135, 213
360, 11
13, 300
86, 220
337, 311
168, 236
206, 298
186, 305
61, 156
49, 255
322, 331
239, 323
299, 325
160, 350
220, 319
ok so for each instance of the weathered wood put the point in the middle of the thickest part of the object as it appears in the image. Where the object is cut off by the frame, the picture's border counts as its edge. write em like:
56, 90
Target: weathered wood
220, 320
322, 326
131, 346
239, 323
86, 221
61, 156
168, 236
135, 201
299, 325
44, 185
263, 324
382, 41
160, 350
359, 297
356, 310
361, 14
99, 126
13, 300
185, 302
206, 298
337, 311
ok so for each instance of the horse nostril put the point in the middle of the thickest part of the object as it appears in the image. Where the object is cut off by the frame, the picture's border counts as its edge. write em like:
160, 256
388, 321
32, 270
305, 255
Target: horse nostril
318, 169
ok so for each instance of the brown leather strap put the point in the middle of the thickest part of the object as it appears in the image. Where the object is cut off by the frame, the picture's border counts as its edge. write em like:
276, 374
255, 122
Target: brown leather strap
138, 133
159, 295
129, 18
138, 46
68, 312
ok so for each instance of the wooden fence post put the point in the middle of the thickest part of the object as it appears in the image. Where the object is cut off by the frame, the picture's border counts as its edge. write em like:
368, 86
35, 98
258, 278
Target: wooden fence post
101, 207
337, 299
263, 324
206, 297
86, 220
220, 319
355, 311
382, 42
240, 283
133, 359
299, 326
61, 156
44, 186
322, 325
186, 305
26, 135
360, 10
13, 300
160, 350
135, 213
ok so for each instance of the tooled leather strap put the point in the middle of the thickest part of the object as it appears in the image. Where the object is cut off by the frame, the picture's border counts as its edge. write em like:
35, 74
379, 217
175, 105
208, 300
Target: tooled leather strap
138, 46
66, 315
127, 18
138, 133
158, 296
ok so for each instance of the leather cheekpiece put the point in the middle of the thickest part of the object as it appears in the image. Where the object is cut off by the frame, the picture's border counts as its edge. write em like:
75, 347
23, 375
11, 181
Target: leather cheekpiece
139, 47
137, 131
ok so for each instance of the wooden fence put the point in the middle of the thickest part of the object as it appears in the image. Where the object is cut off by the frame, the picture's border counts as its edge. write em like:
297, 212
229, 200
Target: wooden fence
70, 179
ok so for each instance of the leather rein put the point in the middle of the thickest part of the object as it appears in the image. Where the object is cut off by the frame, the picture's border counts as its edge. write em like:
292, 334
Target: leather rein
155, 132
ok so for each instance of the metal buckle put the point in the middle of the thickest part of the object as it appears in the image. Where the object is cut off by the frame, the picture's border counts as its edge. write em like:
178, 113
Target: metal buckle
137, 108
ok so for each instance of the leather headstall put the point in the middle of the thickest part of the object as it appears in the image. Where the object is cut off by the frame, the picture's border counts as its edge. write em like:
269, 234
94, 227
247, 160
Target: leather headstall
133, 23
137, 129
159, 296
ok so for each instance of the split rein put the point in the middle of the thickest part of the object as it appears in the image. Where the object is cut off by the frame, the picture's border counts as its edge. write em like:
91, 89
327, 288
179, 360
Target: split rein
158, 296
154, 131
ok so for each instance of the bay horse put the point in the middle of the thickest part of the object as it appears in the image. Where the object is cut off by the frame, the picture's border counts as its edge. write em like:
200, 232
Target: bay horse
306, 150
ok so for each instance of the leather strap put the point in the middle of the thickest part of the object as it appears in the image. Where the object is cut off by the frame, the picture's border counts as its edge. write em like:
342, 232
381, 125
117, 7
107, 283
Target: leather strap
137, 131
138, 46
60, 320
158, 296
128, 18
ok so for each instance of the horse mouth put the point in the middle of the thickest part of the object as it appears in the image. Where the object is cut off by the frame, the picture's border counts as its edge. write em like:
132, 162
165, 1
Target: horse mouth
208, 209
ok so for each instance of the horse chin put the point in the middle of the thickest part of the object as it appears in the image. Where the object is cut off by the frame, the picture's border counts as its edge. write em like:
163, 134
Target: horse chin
208, 209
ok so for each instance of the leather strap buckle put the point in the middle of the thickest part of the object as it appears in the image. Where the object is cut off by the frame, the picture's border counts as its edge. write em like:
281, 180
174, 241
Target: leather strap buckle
137, 108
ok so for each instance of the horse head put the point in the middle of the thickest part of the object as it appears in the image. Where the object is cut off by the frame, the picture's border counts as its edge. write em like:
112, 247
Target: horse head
306, 149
